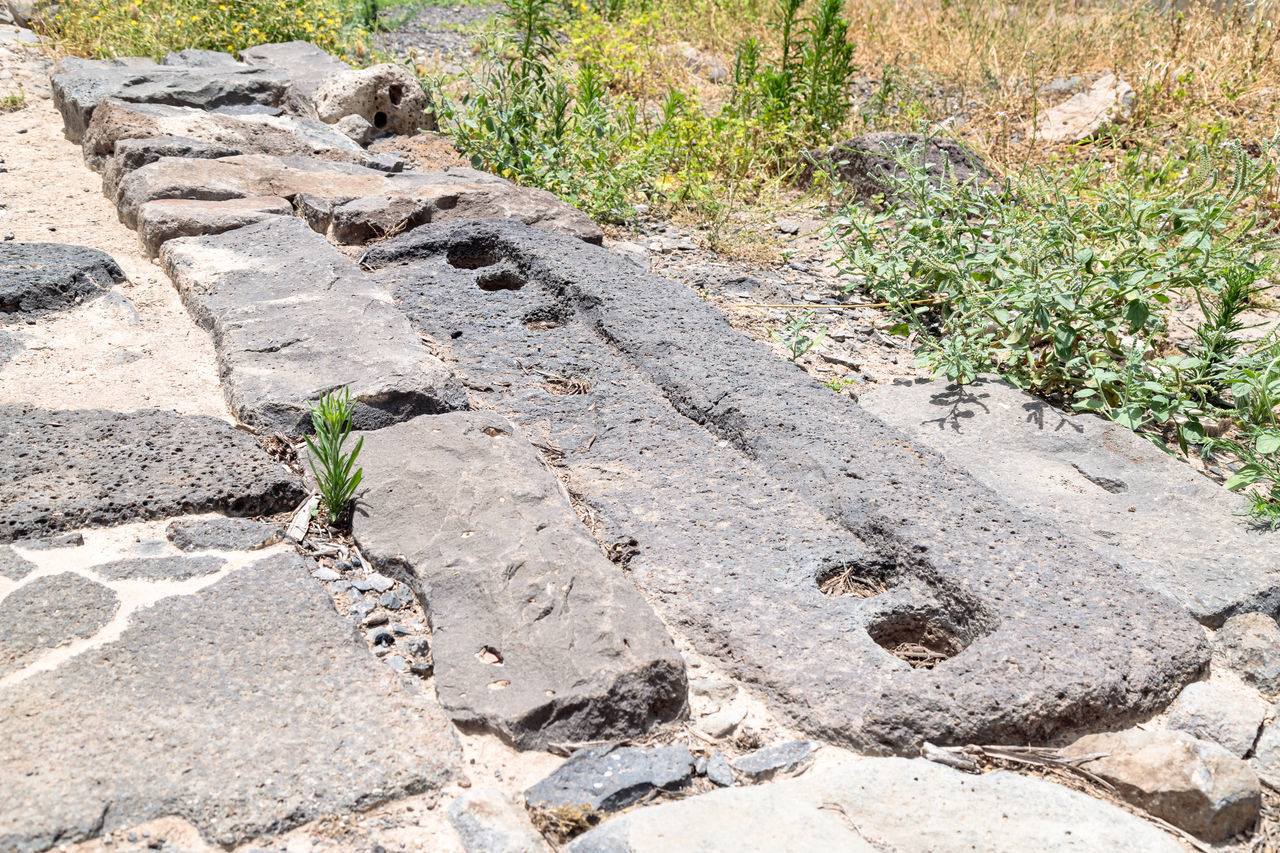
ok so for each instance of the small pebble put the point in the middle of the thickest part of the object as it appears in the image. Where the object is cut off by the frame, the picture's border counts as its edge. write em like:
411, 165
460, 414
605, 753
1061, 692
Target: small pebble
397, 663
326, 575
376, 619
380, 583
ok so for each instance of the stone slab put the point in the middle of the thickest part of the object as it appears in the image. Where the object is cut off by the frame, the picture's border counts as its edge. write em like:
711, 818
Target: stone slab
48, 612
1229, 715
1132, 503
292, 318
882, 804
488, 822
159, 568
195, 58
733, 487
535, 635
36, 278
306, 66
389, 202
167, 219
13, 565
131, 154
81, 86
247, 706
229, 534
609, 778
63, 470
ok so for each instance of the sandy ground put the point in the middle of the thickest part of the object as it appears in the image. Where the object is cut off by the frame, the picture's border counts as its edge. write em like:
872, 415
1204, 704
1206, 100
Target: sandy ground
132, 349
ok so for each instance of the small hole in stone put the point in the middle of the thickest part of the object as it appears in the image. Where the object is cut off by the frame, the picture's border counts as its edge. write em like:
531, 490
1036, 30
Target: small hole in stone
395, 93
470, 259
492, 281
857, 580
379, 119
494, 432
566, 386
498, 685
490, 655
546, 318
917, 639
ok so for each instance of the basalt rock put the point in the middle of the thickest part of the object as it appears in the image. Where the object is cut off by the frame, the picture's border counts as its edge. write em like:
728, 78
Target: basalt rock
36, 278
861, 164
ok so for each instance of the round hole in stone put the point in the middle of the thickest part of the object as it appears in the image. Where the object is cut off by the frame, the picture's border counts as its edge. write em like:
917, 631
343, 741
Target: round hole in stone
469, 258
505, 278
919, 639
494, 432
395, 93
857, 580
379, 119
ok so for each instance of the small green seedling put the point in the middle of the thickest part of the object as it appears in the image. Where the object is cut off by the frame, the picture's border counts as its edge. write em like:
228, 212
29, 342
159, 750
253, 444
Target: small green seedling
794, 334
334, 472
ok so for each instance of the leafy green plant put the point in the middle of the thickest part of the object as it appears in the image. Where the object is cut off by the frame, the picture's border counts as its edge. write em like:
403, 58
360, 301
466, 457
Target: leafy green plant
335, 471
796, 336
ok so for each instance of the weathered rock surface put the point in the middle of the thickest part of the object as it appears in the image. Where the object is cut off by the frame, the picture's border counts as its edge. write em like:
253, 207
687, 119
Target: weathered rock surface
13, 565
610, 778
195, 58
730, 508
1249, 644
1108, 99
535, 635
1174, 529
776, 762
306, 66
281, 136
159, 568
67, 469
1231, 717
82, 85
381, 203
166, 219
487, 822
1195, 785
388, 96
882, 804
228, 534
131, 154
1266, 752
36, 278
285, 718
862, 163
48, 612
292, 318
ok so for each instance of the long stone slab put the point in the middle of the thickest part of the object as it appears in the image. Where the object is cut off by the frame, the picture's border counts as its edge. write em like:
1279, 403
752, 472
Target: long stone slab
280, 136
67, 469
535, 635
83, 84
736, 489
883, 804
1131, 502
244, 705
293, 318
36, 278
360, 203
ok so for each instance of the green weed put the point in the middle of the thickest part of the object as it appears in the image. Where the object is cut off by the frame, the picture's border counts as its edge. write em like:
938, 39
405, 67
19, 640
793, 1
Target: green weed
335, 471
799, 334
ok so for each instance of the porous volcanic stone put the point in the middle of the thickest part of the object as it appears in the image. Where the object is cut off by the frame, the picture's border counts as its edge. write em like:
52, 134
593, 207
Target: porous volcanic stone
396, 200
163, 220
246, 707
114, 121
1195, 785
158, 568
610, 778
862, 163
487, 822
1171, 527
388, 96
1231, 717
14, 566
306, 66
68, 469
131, 154
48, 612
535, 635
226, 534
731, 485
79, 89
1249, 644
896, 803
292, 318
194, 58
36, 278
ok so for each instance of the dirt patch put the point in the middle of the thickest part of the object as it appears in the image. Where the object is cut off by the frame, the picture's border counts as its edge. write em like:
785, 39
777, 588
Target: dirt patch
426, 152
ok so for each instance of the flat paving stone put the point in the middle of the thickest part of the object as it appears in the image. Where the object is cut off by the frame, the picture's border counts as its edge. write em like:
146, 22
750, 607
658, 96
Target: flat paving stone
36, 278
245, 707
13, 565
83, 84
734, 488
882, 804
535, 635
1174, 529
48, 612
292, 318
69, 469
158, 568
610, 778
169, 218
225, 534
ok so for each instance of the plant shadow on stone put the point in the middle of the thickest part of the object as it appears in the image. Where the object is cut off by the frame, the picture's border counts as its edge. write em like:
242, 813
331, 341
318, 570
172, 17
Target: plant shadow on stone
335, 471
